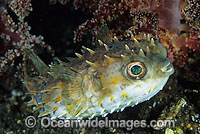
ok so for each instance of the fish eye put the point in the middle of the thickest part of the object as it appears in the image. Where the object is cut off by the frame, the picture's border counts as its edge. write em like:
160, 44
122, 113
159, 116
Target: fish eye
136, 70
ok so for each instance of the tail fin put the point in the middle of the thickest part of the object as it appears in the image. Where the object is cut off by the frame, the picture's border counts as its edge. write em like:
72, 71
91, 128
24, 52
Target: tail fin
58, 89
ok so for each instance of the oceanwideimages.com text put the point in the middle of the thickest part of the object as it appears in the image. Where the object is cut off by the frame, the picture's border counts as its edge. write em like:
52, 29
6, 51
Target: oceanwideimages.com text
47, 122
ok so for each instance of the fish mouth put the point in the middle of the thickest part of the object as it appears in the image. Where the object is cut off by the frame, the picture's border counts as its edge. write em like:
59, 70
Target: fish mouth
167, 67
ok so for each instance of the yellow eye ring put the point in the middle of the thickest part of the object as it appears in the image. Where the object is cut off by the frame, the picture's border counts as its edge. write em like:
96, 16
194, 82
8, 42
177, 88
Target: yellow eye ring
136, 69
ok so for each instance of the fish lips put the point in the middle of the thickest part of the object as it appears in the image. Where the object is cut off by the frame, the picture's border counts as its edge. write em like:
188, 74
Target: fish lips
167, 67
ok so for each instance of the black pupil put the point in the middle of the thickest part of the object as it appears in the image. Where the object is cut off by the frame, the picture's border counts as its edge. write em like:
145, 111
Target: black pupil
136, 70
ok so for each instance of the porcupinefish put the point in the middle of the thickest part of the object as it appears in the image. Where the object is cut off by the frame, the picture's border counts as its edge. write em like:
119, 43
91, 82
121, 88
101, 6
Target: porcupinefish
110, 78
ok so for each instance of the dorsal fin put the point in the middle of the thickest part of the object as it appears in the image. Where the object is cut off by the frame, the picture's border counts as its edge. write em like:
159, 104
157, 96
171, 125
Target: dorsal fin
41, 67
103, 34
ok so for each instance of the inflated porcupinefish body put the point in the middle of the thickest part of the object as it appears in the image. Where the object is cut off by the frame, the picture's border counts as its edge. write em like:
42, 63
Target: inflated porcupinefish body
101, 81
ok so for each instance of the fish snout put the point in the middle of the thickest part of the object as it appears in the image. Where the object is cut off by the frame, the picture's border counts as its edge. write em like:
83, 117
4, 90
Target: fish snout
167, 67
